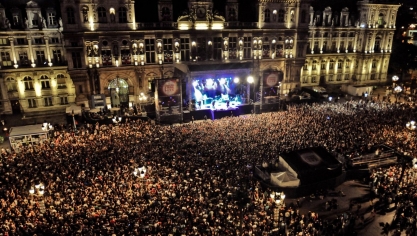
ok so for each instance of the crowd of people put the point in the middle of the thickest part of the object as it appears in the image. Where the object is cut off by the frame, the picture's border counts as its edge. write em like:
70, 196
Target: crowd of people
193, 179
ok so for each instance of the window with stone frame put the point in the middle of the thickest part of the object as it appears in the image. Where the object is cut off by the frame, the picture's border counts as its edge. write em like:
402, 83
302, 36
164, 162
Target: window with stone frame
28, 82
267, 15
64, 100
150, 50
45, 83
126, 56
122, 15
185, 49
247, 47
233, 54
102, 15
70, 16
11, 84
106, 57
6, 59
281, 14
168, 53
56, 55
47, 101
61, 81
32, 103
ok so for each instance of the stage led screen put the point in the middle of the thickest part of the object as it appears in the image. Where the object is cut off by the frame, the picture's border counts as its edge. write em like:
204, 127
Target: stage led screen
217, 93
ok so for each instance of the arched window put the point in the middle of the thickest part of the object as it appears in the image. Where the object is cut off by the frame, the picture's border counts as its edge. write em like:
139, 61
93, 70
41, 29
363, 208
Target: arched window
281, 14
45, 82
314, 67
122, 15
381, 20
11, 84
267, 15
70, 15
102, 15
303, 16
28, 83
60, 81
339, 64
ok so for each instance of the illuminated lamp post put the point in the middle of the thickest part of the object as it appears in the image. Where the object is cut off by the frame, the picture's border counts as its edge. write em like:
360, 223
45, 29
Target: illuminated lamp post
397, 90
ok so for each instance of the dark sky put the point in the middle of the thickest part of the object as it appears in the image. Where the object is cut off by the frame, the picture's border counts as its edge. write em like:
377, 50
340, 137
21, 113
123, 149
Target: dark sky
147, 10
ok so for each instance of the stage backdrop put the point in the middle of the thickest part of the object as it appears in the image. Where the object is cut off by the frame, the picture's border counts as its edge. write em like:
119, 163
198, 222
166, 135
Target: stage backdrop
168, 100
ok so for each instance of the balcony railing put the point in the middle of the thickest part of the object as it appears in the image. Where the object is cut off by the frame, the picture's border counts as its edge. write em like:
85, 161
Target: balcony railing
157, 25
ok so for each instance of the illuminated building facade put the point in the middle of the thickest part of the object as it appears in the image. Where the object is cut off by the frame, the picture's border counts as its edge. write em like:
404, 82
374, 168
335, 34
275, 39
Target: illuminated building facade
106, 50
34, 75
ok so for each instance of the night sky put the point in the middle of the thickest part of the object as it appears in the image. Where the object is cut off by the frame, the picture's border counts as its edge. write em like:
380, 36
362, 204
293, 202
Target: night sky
147, 10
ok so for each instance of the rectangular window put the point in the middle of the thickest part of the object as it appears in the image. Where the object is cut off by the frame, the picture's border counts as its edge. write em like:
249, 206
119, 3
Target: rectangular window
40, 57
347, 64
350, 46
3, 41
313, 79
330, 78
56, 56
265, 49
305, 79
323, 66
232, 47
32, 103
247, 47
217, 48
45, 84
305, 67
51, 18
373, 64
150, 50
64, 100
331, 65
47, 101
339, 65
342, 46
373, 76
74, 44
333, 47
76, 60
54, 40
21, 41
316, 46
60, 82
339, 77
106, 57
347, 77
5, 59
314, 66
185, 49
126, 58
168, 54
80, 89
201, 49
38, 40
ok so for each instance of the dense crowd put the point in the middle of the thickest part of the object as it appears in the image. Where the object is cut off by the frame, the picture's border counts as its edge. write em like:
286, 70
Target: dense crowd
197, 177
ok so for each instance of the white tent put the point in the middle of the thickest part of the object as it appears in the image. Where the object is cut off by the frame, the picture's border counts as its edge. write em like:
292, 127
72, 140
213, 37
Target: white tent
285, 179
77, 110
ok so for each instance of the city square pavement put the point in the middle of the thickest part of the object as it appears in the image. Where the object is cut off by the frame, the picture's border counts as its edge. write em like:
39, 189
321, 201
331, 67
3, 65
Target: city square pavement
359, 193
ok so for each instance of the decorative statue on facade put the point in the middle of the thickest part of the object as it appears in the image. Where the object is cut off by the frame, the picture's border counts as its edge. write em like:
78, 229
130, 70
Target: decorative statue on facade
44, 23
26, 24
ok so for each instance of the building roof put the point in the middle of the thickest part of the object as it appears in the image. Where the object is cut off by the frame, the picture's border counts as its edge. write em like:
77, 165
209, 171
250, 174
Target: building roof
313, 164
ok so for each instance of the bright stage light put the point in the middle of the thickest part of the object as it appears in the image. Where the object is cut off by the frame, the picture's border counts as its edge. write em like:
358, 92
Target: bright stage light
250, 79
236, 80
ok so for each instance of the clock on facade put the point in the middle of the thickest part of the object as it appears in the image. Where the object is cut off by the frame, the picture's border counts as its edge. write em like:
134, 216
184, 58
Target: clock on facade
201, 12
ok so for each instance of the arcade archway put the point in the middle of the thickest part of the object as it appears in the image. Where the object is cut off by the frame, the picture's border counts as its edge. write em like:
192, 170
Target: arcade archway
119, 92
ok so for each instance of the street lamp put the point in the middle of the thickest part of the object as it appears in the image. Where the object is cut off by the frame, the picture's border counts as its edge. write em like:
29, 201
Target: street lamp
142, 99
395, 79
411, 125
397, 90
117, 120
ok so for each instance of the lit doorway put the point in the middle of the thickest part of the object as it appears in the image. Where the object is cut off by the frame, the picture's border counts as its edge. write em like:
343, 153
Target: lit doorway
119, 93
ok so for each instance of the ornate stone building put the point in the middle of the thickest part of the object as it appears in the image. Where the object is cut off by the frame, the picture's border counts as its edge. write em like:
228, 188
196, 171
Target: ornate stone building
110, 53
345, 48
34, 78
